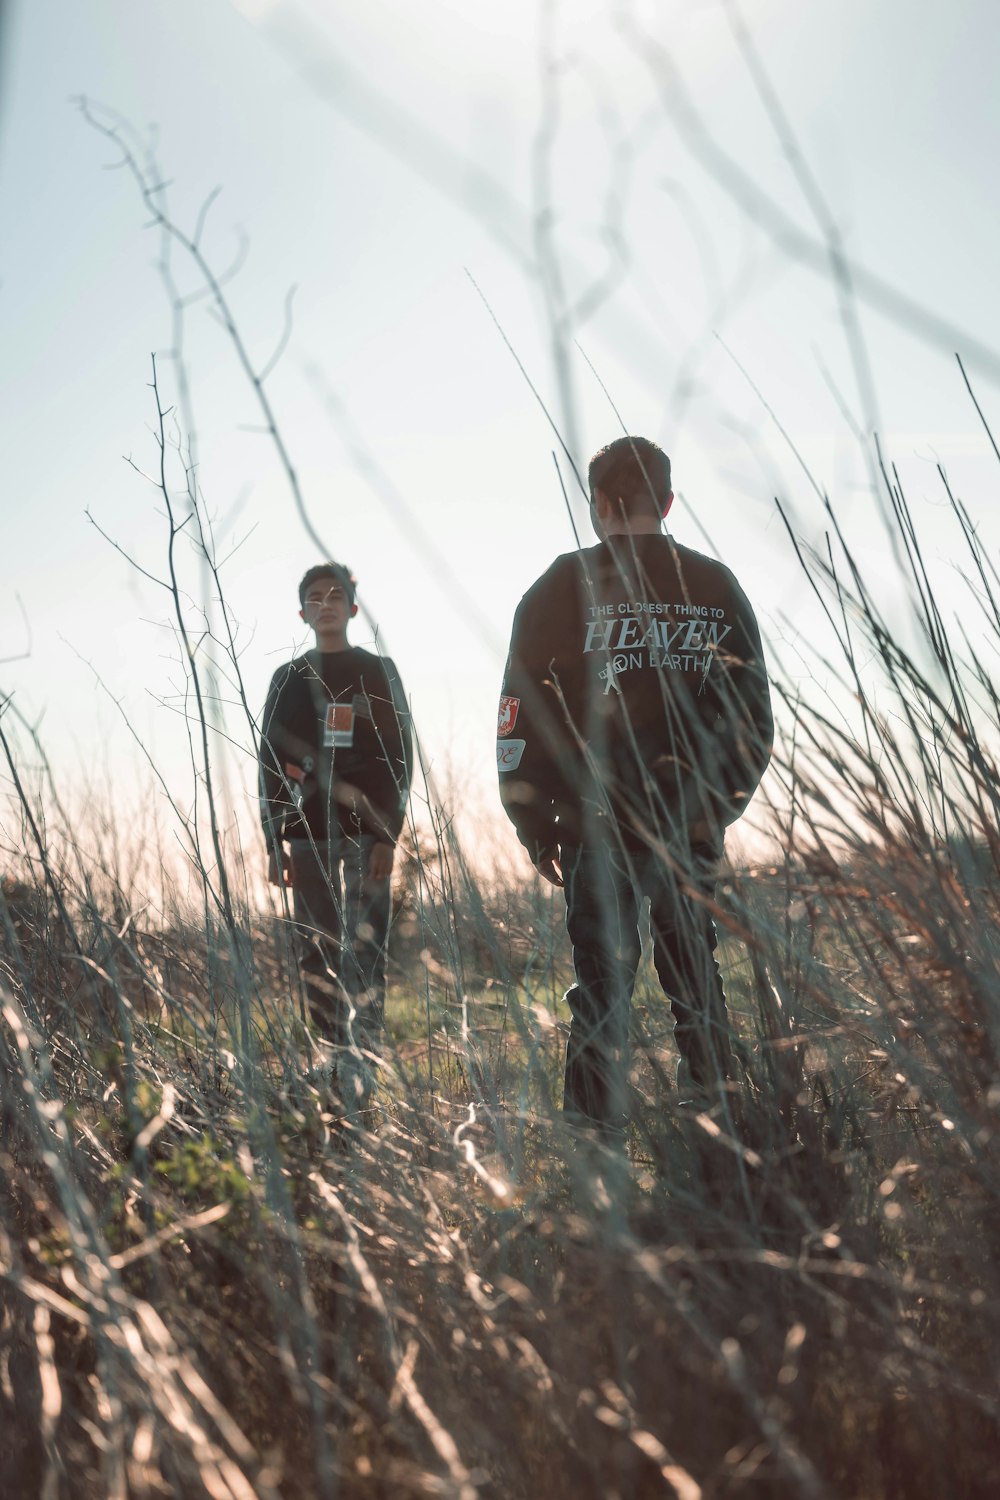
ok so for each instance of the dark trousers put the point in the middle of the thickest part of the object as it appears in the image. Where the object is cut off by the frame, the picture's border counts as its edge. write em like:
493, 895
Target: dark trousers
604, 889
342, 925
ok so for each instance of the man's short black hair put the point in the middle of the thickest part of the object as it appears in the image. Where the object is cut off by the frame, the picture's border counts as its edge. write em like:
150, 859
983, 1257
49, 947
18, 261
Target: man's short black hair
633, 470
336, 571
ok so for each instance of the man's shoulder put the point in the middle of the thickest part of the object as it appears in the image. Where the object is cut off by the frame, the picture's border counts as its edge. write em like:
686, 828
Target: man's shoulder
288, 693
689, 560
370, 661
377, 674
289, 670
561, 570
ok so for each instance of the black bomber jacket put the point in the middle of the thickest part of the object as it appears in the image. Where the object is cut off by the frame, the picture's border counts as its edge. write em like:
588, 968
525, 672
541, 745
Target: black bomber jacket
335, 748
635, 696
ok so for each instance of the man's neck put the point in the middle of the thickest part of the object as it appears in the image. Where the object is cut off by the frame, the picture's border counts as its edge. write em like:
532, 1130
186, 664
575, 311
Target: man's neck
329, 645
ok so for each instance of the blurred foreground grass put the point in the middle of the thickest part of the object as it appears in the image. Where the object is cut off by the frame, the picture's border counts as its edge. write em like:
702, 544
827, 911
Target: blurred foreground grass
211, 1285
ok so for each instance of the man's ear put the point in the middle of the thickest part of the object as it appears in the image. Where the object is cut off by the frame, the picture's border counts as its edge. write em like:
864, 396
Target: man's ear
670, 501
302, 614
354, 610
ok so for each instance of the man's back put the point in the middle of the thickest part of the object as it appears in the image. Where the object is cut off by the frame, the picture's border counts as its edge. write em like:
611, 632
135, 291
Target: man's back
638, 692
634, 725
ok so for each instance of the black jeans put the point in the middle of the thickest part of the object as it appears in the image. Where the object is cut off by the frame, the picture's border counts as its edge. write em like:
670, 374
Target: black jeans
604, 889
342, 924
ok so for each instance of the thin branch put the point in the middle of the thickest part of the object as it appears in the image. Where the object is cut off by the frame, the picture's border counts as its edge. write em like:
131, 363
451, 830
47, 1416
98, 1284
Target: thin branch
286, 334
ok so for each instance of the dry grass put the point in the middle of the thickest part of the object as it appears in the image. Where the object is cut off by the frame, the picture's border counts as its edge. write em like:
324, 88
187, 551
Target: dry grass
212, 1285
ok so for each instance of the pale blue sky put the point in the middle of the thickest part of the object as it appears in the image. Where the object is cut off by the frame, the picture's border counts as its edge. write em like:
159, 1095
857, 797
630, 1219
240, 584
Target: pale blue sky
314, 119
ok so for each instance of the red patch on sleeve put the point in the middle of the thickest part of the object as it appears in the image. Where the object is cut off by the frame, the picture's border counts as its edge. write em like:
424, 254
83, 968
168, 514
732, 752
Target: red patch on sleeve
507, 716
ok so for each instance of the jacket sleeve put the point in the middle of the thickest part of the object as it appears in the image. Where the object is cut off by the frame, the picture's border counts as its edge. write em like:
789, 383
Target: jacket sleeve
276, 803
744, 724
529, 729
394, 771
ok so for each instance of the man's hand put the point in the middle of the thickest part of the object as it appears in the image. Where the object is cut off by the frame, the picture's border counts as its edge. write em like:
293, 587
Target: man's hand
548, 866
380, 862
279, 866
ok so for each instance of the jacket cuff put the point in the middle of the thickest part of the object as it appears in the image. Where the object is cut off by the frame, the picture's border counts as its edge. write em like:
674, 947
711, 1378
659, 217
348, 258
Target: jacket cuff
538, 836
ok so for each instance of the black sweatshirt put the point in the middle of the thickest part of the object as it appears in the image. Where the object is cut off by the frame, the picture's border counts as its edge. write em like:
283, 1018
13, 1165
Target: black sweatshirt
335, 748
635, 697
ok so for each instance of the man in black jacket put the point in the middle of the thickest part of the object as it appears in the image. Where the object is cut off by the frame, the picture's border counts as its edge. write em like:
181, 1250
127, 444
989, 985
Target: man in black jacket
335, 768
634, 726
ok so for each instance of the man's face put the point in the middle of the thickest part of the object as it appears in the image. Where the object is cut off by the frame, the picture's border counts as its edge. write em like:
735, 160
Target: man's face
327, 607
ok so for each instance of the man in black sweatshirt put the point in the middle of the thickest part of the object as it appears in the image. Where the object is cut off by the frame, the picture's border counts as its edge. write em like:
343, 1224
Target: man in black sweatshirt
634, 726
335, 768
